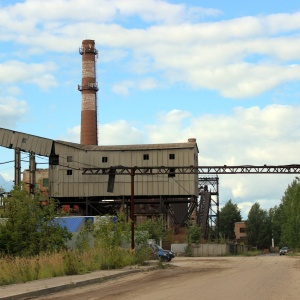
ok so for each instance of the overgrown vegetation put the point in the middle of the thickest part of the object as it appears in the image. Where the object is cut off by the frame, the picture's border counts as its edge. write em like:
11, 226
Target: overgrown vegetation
15, 269
155, 228
28, 228
193, 237
32, 242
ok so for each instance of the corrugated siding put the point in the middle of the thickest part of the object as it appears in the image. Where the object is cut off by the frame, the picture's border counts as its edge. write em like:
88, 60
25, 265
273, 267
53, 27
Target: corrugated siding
78, 185
25, 142
5, 137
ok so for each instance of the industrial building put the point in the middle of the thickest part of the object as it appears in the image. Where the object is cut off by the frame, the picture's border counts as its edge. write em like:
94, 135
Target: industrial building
90, 180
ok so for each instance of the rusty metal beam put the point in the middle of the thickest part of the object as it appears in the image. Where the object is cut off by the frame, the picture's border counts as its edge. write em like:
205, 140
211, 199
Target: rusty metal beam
244, 169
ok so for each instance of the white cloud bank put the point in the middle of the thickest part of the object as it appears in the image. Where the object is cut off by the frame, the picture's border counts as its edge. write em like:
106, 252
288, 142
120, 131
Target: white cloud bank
11, 111
17, 72
239, 58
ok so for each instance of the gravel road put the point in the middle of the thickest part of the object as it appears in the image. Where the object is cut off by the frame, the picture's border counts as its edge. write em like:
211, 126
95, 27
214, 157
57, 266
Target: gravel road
212, 278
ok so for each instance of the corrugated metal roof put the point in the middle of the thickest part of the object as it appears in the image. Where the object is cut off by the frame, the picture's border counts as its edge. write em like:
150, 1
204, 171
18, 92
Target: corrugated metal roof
43, 146
136, 147
25, 142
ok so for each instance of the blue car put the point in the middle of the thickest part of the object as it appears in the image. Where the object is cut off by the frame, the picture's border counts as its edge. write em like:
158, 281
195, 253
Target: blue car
160, 253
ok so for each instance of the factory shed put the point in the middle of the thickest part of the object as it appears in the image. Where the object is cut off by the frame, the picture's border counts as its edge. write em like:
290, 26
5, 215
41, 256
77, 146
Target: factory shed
66, 178
67, 183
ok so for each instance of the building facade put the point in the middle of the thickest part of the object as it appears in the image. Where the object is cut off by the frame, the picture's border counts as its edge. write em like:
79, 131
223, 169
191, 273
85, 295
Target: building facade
240, 230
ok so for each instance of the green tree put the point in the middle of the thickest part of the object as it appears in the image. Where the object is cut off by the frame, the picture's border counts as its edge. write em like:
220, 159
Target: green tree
276, 219
111, 232
29, 228
156, 228
291, 215
259, 231
228, 215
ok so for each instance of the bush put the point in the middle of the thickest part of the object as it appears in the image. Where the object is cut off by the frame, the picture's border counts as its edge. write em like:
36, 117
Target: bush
30, 228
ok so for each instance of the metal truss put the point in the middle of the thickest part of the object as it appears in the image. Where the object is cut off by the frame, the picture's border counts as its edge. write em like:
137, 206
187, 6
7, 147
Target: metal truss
208, 209
245, 169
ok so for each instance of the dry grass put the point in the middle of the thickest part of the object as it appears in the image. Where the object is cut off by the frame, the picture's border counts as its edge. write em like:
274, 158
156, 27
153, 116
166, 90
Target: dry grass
21, 269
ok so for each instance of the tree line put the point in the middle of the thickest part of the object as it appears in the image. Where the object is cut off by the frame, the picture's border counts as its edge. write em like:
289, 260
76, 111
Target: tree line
280, 223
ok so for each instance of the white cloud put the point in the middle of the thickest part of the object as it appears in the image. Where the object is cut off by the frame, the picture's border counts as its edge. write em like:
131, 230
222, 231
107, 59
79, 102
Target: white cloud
118, 133
250, 136
162, 11
169, 128
244, 80
72, 135
14, 71
13, 90
170, 43
216, 55
122, 88
100, 11
147, 84
11, 111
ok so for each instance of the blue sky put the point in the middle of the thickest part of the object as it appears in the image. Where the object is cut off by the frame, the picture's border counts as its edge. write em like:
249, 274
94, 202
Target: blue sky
224, 72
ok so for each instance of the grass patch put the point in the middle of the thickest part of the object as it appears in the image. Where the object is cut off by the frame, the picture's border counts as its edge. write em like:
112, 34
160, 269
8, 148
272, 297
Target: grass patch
20, 269
250, 253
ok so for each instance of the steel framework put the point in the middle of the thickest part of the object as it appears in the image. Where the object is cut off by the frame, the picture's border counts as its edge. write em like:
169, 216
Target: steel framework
208, 208
244, 169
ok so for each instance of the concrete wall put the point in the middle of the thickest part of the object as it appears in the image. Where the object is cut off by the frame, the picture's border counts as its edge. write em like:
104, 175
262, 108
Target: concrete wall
201, 249
178, 248
209, 250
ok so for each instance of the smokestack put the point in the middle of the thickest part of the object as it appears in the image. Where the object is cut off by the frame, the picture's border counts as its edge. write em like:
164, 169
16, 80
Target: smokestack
88, 89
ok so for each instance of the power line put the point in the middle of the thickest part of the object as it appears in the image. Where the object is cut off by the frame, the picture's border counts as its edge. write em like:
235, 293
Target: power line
6, 162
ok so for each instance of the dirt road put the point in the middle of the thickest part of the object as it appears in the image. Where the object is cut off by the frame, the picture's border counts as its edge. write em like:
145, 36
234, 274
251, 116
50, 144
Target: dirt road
235, 278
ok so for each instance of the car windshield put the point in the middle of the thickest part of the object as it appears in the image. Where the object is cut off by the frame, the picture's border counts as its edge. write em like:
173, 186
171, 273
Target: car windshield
284, 248
157, 247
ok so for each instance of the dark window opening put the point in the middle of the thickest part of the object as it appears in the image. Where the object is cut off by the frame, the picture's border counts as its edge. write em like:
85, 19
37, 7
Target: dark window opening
69, 172
24, 140
69, 158
53, 160
46, 182
171, 172
104, 159
242, 230
171, 156
146, 156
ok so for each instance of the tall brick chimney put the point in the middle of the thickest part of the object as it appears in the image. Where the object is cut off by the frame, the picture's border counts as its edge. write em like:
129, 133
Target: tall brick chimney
88, 89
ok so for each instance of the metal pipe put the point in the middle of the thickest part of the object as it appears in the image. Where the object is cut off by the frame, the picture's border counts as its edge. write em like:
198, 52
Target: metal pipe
132, 173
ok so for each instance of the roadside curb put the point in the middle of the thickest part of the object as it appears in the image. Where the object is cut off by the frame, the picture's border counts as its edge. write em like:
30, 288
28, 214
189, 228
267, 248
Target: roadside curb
42, 287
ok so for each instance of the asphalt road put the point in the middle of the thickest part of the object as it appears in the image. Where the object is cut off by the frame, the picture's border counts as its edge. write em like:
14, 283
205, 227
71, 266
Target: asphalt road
235, 278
